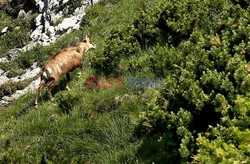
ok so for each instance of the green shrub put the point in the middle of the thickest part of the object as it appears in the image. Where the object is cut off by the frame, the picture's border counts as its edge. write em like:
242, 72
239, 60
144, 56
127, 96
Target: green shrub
14, 72
204, 66
201, 115
67, 101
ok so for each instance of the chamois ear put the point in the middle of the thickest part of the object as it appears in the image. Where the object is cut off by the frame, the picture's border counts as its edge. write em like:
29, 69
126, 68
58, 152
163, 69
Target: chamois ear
87, 38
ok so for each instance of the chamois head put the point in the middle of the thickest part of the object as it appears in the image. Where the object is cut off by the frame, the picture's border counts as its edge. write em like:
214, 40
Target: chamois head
87, 44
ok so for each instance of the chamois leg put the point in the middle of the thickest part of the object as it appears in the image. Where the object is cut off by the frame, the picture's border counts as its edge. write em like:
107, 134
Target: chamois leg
41, 85
81, 68
68, 80
49, 87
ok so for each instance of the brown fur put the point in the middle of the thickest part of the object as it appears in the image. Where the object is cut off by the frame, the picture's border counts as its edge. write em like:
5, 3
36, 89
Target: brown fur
62, 63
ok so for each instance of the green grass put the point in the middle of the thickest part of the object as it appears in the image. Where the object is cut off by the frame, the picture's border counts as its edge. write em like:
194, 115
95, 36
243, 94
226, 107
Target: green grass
80, 125
15, 26
123, 125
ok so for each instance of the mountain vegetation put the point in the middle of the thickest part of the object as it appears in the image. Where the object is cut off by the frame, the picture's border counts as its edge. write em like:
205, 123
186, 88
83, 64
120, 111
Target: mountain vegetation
200, 115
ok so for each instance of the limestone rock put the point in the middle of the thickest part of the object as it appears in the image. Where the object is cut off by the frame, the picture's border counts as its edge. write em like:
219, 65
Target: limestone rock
12, 54
17, 28
3, 60
36, 33
66, 24
22, 14
30, 73
1, 71
40, 5
5, 30
4, 103
51, 31
38, 20
3, 79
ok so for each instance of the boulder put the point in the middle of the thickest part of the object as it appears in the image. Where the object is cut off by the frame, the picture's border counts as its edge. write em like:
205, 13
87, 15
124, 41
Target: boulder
66, 24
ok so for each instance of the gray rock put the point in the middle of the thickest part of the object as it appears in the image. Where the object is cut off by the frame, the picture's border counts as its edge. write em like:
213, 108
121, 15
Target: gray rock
4, 103
65, 1
40, 5
31, 87
36, 34
12, 53
17, 28
1, 71
48, 16
34, 71
38, 20
44, 37
34, 66
29, 13
30, 73
29, 46
51, 31
6, 98
22, 14
3, 60
4, 30
3, 79
67, 23
53, 3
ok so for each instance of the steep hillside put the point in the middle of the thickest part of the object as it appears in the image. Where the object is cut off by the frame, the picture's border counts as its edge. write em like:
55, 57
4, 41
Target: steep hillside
199, 114
25, 25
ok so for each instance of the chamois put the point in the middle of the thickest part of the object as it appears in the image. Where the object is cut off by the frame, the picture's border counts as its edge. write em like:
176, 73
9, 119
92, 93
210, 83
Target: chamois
62, 63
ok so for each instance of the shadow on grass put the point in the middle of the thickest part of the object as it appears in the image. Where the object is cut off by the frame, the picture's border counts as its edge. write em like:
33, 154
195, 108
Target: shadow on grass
157, 147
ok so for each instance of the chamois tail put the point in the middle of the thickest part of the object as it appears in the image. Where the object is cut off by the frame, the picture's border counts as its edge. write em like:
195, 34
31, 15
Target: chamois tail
47, 73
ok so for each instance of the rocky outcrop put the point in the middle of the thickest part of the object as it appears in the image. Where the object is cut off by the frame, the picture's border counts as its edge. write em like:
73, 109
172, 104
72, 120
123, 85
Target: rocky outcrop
6, 100
50, 24
31, 72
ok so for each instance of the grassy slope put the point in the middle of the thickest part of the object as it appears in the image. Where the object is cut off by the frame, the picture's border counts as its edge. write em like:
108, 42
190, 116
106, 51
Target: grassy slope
89, 125
15, 26
96, 125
